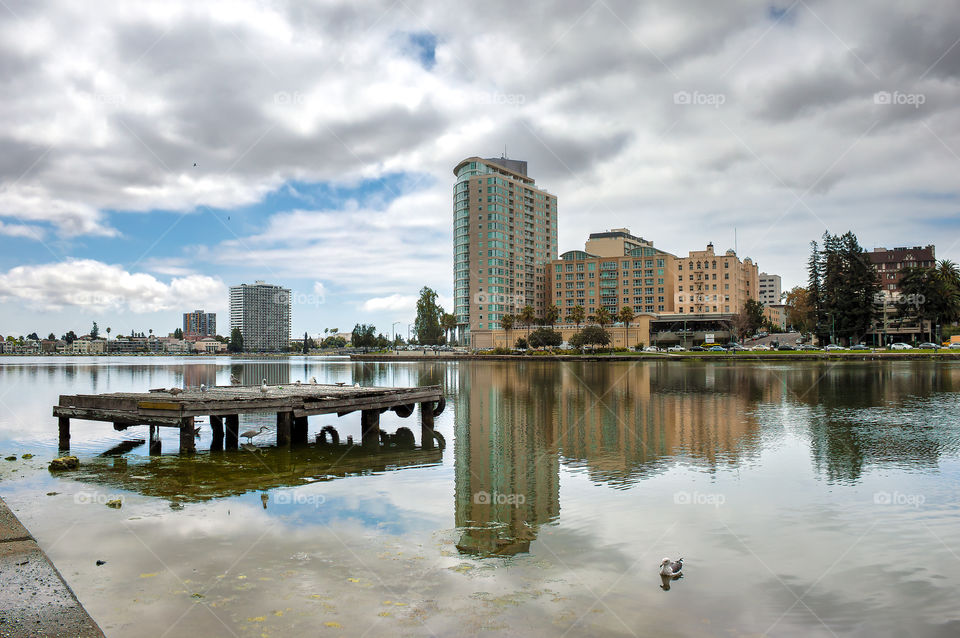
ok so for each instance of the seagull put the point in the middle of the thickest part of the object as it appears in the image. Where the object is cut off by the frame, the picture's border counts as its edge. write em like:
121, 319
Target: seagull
174, 391
203, 387
263, 386
194, 163
249, 434
671, 568
356, 385
234, 379
297, 382
313, 380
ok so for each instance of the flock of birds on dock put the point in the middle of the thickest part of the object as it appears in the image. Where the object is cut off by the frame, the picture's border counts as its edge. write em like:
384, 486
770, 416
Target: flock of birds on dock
264, 388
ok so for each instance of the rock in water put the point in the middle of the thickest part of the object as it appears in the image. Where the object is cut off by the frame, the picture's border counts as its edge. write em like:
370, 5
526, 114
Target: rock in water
101, 562
65, 463
115, 503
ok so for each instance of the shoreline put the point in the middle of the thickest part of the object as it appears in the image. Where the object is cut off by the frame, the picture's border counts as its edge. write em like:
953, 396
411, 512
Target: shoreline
35, 599
661, 356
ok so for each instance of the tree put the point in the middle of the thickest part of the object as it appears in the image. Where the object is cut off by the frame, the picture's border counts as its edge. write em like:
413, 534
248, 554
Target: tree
544, 337
521, 344
843, 286
364, 336
51, 337
590, 335
506, 322
576, 316
177, 334
236, 341
739, 325
553, 315
753, 309
427, 325
108, 332
626, 316
603, 317
33, 336
334, 341
70, 337
800, 311
930, 294
814, 291
306, 343
94, 331
527, 317
449, 324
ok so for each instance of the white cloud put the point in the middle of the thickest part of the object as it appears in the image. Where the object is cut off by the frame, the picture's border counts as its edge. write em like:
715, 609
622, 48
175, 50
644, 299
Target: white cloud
99, 288
22, 230
393, 303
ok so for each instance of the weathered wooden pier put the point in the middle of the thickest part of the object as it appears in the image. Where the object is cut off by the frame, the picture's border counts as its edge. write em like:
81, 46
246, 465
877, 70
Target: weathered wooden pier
224, 405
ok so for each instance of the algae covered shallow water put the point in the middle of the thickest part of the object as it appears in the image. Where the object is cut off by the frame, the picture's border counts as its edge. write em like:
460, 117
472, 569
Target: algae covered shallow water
809, 499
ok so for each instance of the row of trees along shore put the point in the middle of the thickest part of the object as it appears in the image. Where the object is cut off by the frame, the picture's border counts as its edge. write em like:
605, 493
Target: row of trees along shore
844, 299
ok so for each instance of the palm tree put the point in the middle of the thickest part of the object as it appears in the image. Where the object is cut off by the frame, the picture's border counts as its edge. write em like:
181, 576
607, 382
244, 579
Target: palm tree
577, 315
527, 317
626, 316
108, 333
449, 323
603, 317
506, 322
553, 314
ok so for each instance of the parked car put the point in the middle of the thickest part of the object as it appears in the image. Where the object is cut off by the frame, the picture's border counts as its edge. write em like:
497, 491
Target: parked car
651, 349
808, 346
859, 346
717, 349
761, 347
785, 346
737, 347
954, 346
833, 347
928, 346
900, 346
698, 349
676, 349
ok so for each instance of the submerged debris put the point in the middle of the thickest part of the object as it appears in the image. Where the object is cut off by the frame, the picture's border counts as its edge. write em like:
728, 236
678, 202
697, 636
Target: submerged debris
116, 503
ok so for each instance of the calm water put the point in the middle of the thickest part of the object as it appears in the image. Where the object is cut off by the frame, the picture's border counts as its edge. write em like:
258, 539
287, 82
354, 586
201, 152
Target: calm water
807, 500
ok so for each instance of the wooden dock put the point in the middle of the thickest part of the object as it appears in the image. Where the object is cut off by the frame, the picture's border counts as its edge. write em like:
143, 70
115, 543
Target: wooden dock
224, 404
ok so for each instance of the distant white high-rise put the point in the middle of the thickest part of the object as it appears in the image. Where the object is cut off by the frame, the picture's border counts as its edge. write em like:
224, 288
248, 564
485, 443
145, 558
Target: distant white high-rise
262, 314
769, 289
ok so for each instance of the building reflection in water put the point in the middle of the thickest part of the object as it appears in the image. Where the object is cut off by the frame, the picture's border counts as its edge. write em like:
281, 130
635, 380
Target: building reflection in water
620, 424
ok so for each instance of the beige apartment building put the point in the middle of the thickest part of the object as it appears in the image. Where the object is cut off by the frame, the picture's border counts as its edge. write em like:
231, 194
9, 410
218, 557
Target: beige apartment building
504, 236
708, 283
616, 269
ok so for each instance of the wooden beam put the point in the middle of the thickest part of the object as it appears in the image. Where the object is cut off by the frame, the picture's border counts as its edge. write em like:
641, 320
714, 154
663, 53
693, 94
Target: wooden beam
188, 444
233, 430
64, 427
300, 427
114, 416
370, 430
426, 425
155, 445
284, 425
216, 425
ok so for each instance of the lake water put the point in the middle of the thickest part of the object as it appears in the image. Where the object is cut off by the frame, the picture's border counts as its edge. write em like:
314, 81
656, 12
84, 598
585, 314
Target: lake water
808, 499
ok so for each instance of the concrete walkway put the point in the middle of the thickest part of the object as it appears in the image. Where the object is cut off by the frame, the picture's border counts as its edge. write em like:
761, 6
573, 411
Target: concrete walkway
34, 598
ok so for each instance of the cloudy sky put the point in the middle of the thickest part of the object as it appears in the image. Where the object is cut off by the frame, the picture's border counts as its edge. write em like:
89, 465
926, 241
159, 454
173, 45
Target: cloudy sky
154, 153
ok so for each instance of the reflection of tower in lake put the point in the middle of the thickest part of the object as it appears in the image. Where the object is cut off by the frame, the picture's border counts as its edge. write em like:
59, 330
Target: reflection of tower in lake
507, 468
254, 372
195, 374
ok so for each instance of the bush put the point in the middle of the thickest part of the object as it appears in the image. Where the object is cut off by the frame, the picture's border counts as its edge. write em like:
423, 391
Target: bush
542, 337
502, 350
590, 336
521, 344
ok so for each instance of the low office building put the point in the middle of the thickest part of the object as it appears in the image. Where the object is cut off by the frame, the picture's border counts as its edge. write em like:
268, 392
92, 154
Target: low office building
891, 264
621, 336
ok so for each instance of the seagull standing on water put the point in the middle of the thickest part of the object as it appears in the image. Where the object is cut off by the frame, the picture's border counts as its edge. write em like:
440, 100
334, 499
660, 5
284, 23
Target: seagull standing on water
671, 569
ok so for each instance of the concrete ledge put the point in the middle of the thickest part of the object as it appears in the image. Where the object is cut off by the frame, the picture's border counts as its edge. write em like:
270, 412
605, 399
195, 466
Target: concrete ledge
34, 598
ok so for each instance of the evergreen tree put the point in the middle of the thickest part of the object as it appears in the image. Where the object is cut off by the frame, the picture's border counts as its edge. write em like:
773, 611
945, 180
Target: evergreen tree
236, 341
94, 331
427, 324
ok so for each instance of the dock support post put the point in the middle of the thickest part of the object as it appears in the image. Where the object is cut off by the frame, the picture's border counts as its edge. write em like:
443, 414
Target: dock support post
370, 430
233, 431
64, 425
284, 424
155, 447
426, 425
216, 424
188, 444
300, 430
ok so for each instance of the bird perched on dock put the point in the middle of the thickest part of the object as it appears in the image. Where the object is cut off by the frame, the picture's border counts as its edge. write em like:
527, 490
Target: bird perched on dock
356, 385
671, 569
313, 381
263, 386
174, 391
234, 379
203, 387
297, 382
249, 434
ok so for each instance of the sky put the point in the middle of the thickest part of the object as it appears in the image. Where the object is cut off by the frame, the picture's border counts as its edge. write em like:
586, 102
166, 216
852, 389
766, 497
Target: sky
152, 154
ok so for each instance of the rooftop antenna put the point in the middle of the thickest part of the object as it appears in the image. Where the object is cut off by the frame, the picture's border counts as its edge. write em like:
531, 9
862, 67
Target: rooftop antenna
735, 239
